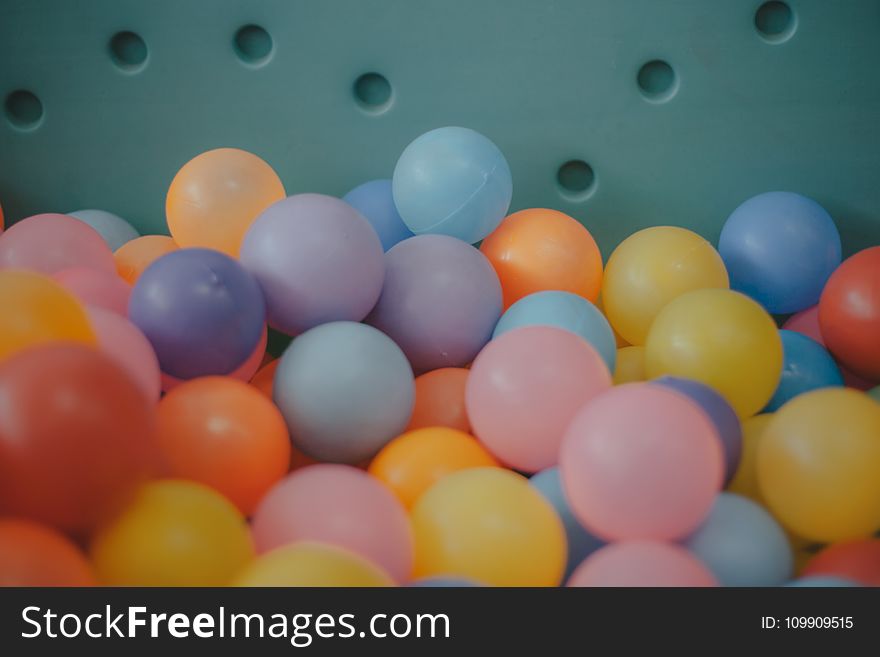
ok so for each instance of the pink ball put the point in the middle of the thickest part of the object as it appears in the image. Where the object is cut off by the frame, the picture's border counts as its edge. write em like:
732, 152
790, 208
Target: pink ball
49, 243
642, 563
124, 343
244, 372
806, 322
96, 288
641, 461
524, 388
342, 506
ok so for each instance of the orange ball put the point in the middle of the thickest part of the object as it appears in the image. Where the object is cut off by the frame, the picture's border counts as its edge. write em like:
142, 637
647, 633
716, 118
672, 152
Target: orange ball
138, 254
440, 400
32, 554
540, 249
858, 561
216, 196
414, 461
265, 377
2, 220
225, 434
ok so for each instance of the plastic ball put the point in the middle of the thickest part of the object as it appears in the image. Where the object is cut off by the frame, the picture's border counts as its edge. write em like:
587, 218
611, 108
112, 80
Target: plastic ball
818, 461
644, 564
629, 365
345, 390
96, 288
780, 248
201, 311
856, 561
264, 379
316, 259
440, 400
32, 554
122, 341
440, 302
49, 243
805, 366
641, 461
374, 201
174, 533
217, 195
490, 525
341, 506
312, 564
539, 249
742, 544
37, 310
76, 436
849, 313
745, 481
651, 268
562, 310
413, 462
720, 413
213, 426
580, 542
818, 581
525, 387
133, 257
452, 181
440, 582
720, 338
115, 230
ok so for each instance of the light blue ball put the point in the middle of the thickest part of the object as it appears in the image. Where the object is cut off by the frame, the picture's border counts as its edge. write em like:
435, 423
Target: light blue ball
822, 581
115, 230
742, 544
563, 310
345, 389
374, 200
581, 543
780, 248
806, 365
452, 181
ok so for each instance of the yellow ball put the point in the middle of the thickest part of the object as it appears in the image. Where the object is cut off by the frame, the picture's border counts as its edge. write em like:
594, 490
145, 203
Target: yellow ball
630, 365
745, 480
174, 533
489, 525
651, 268
35, 310
723, 339
216, 196
312, 564
819, 465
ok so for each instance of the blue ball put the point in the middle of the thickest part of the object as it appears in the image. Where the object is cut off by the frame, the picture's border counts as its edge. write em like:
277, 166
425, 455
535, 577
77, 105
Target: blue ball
374, 200
452, 181
806, 365
780, 248
822, 581
202, 312
345, 389
444, 583
115, 230
581, 543
742, 544
563, 310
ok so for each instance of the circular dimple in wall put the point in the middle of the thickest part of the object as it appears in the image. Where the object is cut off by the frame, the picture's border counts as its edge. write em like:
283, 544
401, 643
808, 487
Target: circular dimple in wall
128, 51
657, 81
775, 22
372, 92
576, 180
253, 45
23, 109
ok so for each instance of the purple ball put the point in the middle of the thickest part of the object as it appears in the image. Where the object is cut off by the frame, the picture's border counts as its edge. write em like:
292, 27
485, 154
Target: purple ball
317, 259
720, 413
440, 302
201, 311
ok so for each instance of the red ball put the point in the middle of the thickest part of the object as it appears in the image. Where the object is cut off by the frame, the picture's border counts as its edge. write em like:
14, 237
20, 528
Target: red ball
849, 313
76, 436
858, 561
